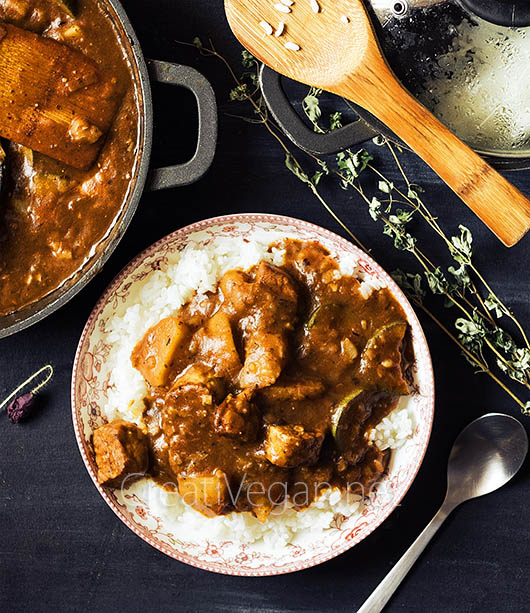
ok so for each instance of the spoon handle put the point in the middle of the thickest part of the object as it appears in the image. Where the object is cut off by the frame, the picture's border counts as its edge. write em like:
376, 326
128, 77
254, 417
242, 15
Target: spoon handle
384, 591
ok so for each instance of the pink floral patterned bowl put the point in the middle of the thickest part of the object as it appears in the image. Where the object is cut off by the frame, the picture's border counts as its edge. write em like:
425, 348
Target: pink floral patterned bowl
149, 515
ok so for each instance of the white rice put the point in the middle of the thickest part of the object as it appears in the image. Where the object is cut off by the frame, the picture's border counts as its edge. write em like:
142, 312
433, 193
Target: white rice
315, 6
282, 8
266, 26
157, 296
292, 46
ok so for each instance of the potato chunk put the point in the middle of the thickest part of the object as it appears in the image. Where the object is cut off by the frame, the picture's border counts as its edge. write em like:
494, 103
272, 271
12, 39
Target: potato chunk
155, 352
238, 417
216, 345
121, 451
290, 446
207, 494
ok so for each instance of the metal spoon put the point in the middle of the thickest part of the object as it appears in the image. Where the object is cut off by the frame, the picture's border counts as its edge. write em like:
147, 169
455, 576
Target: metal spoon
484, 457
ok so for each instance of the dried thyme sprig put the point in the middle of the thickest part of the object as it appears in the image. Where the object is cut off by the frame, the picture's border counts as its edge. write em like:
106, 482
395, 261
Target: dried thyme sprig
479, 327
478, 330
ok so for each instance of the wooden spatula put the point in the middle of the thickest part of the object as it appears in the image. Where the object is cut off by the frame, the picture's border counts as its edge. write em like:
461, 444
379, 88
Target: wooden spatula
53, 99
331, 44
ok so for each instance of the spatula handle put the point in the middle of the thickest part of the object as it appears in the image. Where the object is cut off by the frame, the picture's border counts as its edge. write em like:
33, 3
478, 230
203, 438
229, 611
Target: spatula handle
500, 205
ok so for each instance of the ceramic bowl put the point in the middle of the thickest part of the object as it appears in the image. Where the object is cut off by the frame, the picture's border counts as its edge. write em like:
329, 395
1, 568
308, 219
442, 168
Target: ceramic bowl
156, 525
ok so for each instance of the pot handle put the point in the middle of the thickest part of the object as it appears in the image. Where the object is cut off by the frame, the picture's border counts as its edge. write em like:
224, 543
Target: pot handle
194, 169
302, 136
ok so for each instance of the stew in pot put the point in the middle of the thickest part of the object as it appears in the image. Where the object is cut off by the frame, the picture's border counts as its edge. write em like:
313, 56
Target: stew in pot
51, 215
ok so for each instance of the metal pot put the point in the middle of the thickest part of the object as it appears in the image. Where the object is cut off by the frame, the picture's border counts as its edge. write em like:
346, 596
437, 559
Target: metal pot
144, 72
421, 40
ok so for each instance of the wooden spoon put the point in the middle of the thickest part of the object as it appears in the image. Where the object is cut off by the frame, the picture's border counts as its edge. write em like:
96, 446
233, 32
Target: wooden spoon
338, 51
2, 160
53, 99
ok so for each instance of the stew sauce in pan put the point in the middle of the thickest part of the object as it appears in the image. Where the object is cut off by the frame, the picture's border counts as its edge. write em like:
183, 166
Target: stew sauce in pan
52, 215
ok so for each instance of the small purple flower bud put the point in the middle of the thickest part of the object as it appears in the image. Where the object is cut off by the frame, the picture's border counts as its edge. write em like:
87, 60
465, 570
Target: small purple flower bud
20, 407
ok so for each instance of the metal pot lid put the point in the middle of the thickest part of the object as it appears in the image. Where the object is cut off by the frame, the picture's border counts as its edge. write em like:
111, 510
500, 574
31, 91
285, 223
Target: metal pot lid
468, 61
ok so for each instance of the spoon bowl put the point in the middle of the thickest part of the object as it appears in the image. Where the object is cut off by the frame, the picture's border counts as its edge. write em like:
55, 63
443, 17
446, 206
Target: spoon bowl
321, 60
485, 456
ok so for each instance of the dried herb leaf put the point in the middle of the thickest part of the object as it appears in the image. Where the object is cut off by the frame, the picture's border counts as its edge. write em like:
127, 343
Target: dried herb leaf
295, 169
335, 121
374, 208
438, 284
410, 283
311, 107
239, 93
461, 277
492, 303
463, 250
385, 186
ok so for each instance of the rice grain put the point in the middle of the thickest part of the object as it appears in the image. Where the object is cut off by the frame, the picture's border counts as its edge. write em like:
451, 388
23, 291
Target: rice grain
280, 29
292, 46
266, 26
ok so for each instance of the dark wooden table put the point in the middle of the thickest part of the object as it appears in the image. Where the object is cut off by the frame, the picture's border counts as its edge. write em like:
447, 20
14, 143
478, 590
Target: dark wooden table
62, 548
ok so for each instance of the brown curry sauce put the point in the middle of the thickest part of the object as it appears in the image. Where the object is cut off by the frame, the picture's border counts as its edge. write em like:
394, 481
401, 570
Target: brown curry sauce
269, 387
52, 215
